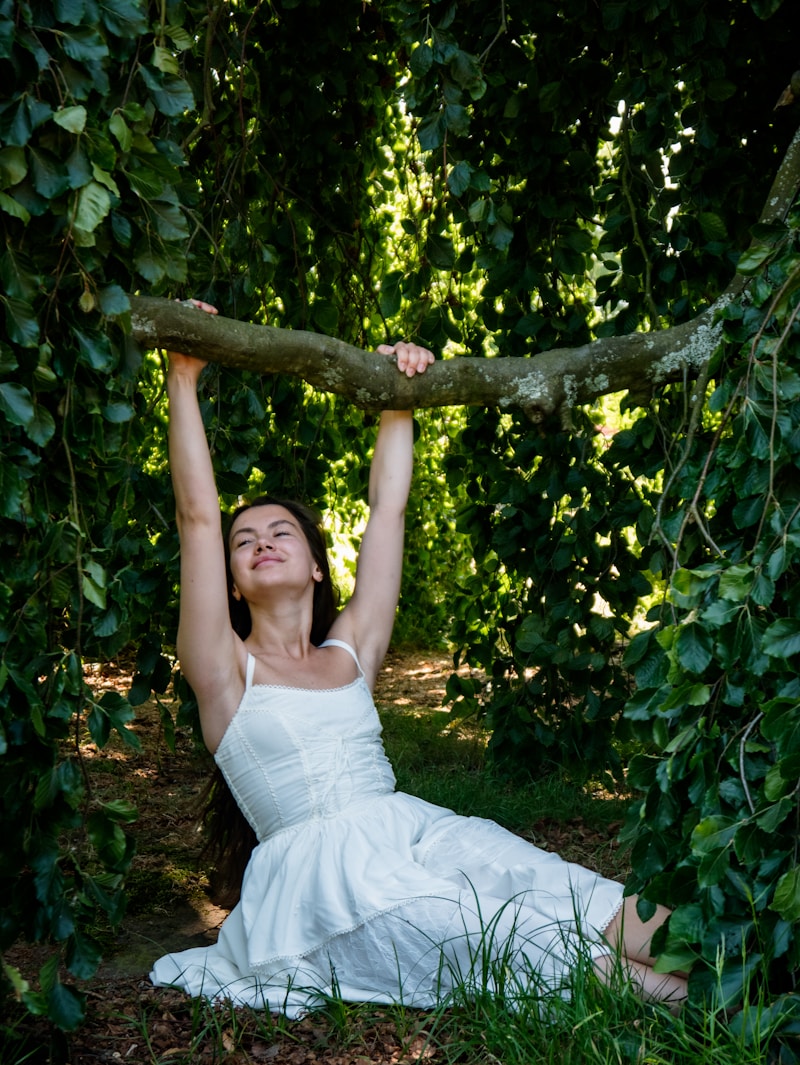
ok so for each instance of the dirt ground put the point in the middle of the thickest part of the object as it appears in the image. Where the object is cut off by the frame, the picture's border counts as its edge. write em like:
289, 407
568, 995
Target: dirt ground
169, 909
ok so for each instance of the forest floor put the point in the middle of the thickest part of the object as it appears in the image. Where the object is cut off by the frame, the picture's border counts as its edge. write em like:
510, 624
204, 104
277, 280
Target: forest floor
169, 909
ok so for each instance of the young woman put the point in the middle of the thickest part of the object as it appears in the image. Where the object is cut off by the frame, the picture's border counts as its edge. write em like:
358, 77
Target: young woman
352, 887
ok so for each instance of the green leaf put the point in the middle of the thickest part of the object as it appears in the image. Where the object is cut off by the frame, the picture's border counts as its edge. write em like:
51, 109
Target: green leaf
11, 207
23, 117
421, 60
165, 61
431, 131
698, 695
325, 315
49, 177
65, 1007
782, 638
478, 210
440, 252
83, 956
170, 221
120, 810
145, 182
21, 323
786, 900
125, 18
549, 96
391, 293
95, 350
113, 300
686, 924
568, 261
13, 166
85, 45
70, 11
119, 712
735, 583
688, 586
713, 868
713, 227
171, 95
458, 178
94, 203
41, 427
104, 178
754, 258
113, 847
16, 403
456, 119
150, 265
120, 130
99, 726
94, 583
712, 833
501, 235
72, 119
675, 960
118, 412
694, 647
180, 37
765, 9
465, 70
720, 89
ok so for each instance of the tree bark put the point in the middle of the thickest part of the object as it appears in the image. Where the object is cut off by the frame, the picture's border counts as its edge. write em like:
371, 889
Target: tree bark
548, 383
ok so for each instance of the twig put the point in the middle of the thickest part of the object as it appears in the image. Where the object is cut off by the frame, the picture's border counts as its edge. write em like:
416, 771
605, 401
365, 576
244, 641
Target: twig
742, 775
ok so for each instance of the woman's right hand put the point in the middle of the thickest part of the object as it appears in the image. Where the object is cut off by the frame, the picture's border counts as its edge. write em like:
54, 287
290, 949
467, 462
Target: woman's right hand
181, 365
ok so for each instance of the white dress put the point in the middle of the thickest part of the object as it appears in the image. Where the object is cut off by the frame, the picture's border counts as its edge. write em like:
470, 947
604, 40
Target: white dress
358, 890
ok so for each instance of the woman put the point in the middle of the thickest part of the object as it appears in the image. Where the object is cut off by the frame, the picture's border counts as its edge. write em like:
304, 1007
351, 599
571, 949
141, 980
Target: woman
352, 887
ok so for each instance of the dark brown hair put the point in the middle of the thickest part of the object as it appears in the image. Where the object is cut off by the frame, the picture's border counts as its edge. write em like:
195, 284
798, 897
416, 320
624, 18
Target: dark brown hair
229, 837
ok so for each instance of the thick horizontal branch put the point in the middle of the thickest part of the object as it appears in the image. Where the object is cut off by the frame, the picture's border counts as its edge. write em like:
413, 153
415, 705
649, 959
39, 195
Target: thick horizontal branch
542, 385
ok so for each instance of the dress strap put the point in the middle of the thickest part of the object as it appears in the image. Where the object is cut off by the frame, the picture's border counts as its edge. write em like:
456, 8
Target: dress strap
345, 647
251, 666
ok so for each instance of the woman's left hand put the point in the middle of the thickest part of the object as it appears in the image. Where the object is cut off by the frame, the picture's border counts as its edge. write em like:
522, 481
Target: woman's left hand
411, 358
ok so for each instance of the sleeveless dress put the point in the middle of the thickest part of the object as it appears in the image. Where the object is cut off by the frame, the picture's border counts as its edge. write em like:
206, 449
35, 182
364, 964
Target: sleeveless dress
357, 890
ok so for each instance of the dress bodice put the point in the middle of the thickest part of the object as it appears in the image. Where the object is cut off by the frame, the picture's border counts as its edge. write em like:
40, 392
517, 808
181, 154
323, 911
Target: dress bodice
292, 755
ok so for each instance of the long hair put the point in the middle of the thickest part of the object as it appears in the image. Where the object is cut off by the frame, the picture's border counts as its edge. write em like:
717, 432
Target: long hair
229, 837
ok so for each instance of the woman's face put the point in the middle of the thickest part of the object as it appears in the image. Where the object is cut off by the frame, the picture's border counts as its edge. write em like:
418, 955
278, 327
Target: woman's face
269, 551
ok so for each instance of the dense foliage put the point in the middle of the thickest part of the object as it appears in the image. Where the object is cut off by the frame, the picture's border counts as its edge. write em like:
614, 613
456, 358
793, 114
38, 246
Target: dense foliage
718, 692
490, 180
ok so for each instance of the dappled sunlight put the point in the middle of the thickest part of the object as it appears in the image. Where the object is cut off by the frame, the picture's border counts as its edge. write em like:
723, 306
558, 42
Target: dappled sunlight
421, 685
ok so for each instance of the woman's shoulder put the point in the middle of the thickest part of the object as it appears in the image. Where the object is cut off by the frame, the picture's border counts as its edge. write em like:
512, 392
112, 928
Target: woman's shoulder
343, 633
332, 641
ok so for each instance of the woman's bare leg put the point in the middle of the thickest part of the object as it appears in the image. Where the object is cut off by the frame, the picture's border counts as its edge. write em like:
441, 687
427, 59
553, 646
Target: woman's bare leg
630, 937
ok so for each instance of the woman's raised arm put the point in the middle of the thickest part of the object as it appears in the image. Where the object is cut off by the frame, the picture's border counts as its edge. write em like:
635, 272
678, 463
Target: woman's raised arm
368, 618
207, 645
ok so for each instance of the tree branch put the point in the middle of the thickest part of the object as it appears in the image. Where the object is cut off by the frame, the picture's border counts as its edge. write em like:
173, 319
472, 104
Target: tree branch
543, 385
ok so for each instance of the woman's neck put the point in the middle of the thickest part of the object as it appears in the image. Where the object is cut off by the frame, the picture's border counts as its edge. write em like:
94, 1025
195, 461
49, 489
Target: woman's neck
286, 634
